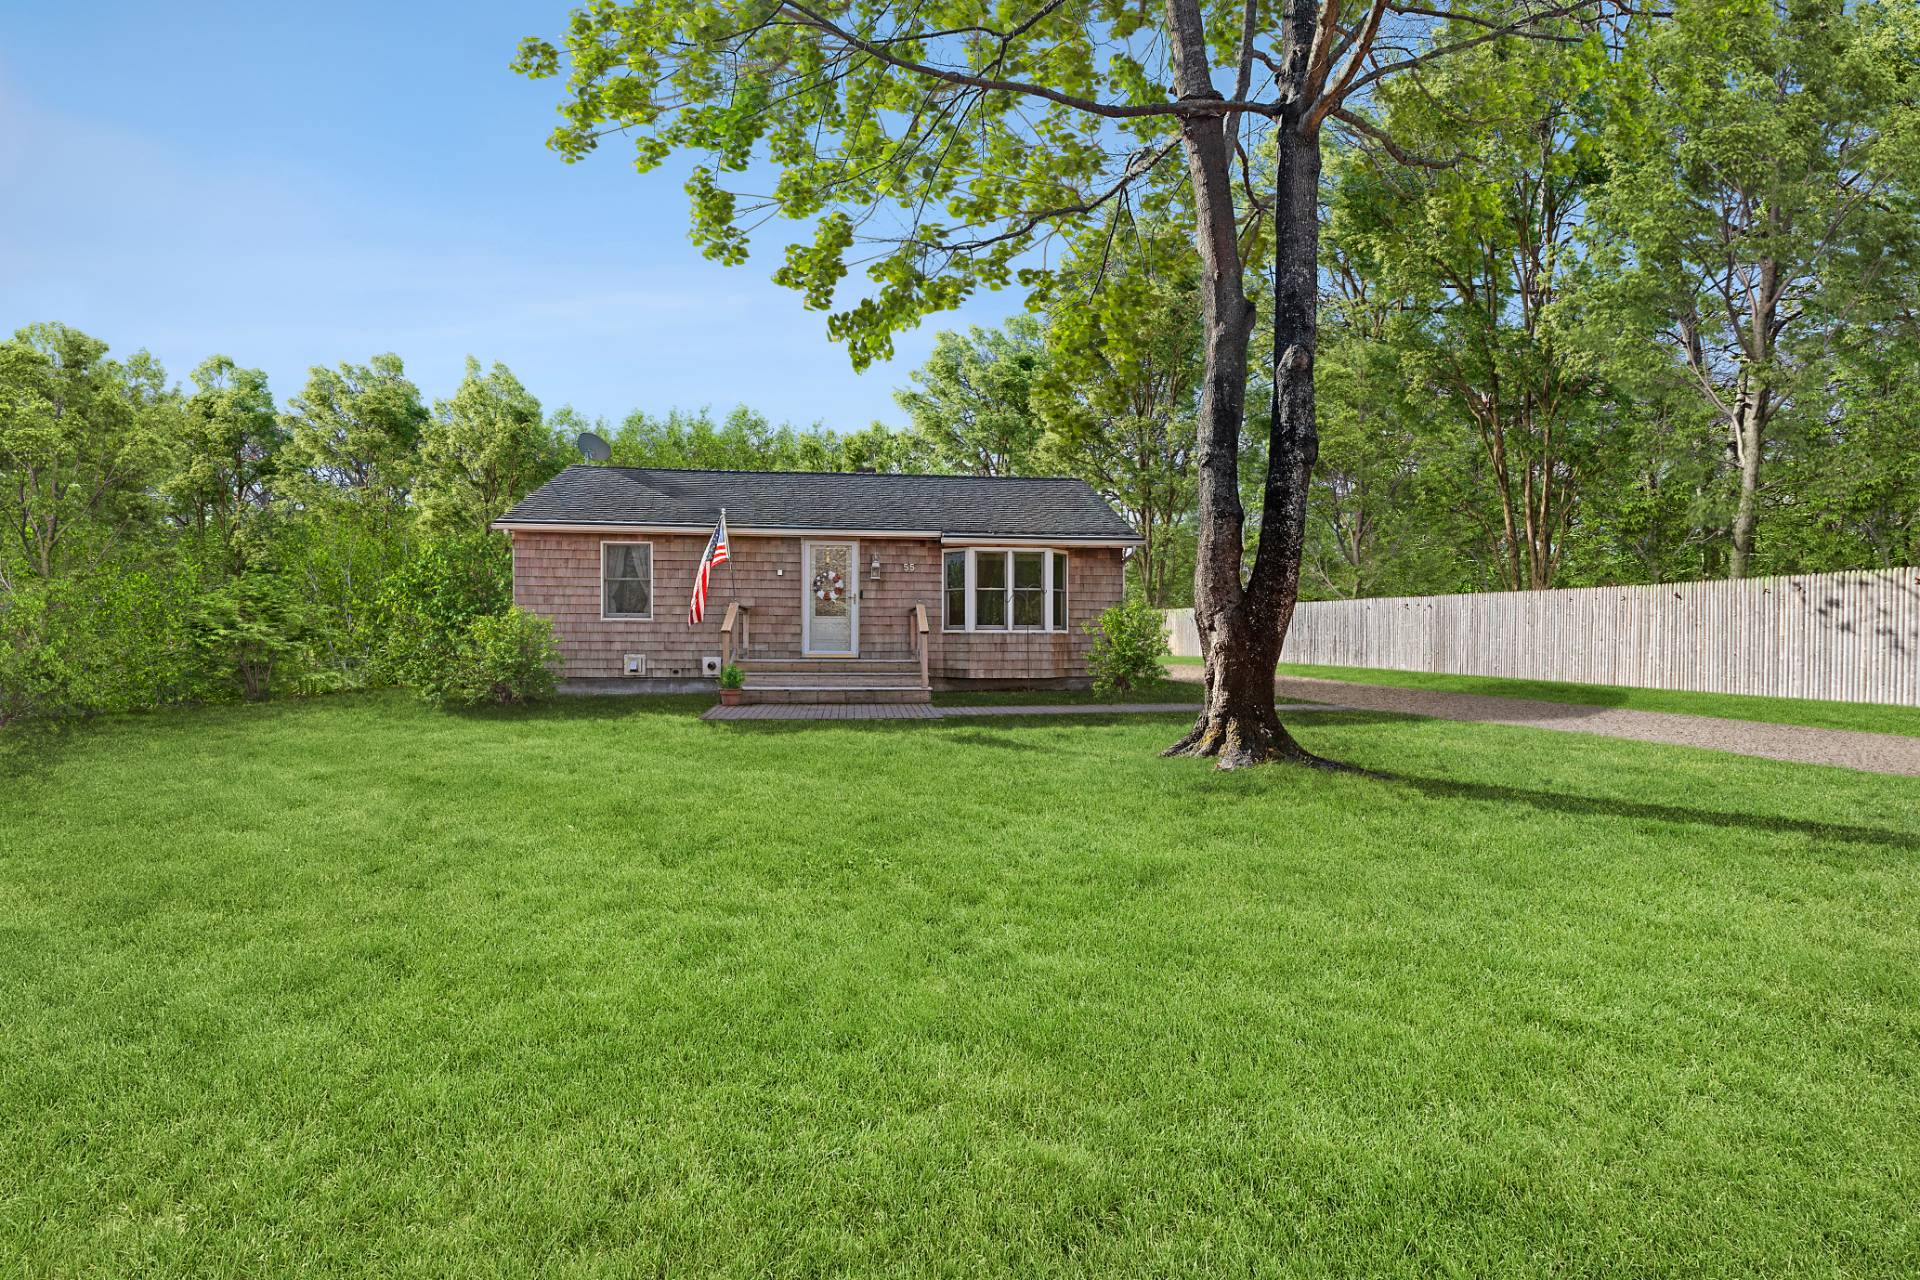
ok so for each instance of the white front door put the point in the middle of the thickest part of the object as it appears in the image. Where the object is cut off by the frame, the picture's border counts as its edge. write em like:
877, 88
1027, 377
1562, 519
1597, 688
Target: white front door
830, 617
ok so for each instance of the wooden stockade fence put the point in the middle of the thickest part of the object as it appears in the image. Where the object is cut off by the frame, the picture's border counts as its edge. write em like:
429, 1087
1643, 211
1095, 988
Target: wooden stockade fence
1848, 637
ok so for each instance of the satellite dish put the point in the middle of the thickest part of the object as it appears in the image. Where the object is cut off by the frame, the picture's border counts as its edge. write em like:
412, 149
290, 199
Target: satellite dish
592, 447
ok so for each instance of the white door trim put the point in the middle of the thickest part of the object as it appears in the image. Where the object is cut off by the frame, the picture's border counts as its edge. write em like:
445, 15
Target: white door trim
806, 597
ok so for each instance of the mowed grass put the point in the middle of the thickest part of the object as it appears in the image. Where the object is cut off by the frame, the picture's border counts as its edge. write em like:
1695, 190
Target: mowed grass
1870, 717
1183, 693
354, 987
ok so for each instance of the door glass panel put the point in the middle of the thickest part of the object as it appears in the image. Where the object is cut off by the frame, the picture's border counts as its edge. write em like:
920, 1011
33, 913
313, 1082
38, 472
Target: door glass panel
830, 582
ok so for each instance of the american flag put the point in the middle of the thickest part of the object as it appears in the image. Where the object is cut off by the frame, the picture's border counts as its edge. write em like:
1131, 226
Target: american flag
716, 553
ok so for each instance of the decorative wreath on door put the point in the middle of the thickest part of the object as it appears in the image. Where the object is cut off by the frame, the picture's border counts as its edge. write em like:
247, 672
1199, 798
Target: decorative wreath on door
830, 585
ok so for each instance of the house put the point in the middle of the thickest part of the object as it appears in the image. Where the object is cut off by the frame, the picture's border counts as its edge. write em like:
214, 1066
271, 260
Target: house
841, 586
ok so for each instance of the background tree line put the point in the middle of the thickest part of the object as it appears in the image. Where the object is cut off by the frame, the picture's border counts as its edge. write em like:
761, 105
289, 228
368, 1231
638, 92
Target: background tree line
1591, 313
1610, 315
174, 543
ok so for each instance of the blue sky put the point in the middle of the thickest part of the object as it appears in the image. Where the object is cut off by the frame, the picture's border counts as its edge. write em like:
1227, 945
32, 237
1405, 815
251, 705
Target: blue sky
294, 185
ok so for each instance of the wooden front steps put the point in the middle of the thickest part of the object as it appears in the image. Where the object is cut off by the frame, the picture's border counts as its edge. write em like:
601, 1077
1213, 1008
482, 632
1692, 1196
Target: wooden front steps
790, 679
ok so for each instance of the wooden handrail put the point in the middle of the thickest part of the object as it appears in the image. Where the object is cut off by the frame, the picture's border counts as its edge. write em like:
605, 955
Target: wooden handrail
726, 633
917, 630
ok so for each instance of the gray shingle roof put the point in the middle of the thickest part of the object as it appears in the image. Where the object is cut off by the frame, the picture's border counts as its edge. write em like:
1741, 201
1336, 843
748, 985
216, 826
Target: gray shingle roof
970, 506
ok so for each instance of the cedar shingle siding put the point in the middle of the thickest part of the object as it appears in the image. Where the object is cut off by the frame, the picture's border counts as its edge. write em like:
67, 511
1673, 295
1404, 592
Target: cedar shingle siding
558, 575
556, 567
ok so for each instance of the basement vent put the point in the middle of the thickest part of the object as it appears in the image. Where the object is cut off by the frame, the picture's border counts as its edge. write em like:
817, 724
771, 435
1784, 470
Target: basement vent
636, 664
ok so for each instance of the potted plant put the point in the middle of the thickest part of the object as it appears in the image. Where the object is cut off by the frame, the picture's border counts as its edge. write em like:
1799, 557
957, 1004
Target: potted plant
731, 679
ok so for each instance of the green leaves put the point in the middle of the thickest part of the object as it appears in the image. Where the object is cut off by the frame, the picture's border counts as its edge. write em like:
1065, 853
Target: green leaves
1129, 646
815, 270
83, 443
225, 447
428, 607
506, 659
971, 403
936, 188
1763, 185
354, 429
714, 229
482, 451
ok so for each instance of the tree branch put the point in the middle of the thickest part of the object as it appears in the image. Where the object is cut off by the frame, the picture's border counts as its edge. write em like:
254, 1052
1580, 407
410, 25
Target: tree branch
1319, 62
1388, 145
1517, 27
1330, 98
1141, 165
1184, 107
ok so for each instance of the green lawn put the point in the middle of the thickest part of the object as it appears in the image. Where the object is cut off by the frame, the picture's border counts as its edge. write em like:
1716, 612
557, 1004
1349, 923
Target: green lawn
1178, 692
1727, 706
354, 987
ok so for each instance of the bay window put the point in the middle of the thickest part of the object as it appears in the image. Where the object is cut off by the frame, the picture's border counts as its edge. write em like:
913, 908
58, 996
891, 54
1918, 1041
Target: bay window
990, 591
1029, 590
1004, 589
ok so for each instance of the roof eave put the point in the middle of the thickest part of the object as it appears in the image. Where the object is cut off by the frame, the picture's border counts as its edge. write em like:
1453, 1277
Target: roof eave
1039, 539
504, 525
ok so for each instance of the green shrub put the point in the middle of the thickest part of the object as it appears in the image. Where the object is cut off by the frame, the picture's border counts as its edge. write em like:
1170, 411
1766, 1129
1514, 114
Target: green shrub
33, 680
428, 607
503, 660
731, 677
119, 639
252, 622
1129, 644
246, 629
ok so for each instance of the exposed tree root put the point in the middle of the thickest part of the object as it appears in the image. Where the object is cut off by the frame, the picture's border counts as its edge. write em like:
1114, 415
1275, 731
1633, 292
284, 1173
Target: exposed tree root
1236, 743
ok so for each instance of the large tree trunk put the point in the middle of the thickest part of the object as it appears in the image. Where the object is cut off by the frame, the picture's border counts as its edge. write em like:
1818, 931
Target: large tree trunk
1752, 407
1746, 432
1241, 626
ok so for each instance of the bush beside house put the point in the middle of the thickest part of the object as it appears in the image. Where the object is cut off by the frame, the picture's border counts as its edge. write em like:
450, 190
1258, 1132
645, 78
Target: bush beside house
1129, 646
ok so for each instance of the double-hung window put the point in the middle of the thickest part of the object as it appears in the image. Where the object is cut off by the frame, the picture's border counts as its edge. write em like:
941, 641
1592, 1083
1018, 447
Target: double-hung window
1029, 590
626, 580
1004, 589
956, 589
990, 591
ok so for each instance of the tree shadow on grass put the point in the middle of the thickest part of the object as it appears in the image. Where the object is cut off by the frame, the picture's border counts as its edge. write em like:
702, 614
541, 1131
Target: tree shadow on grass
1342, 716
1604, 806
31, 747
779, 728
976, 738
1494, 699
578, 707
1609, 807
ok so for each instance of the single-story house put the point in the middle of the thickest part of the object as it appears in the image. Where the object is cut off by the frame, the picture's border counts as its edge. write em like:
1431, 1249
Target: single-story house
839, 585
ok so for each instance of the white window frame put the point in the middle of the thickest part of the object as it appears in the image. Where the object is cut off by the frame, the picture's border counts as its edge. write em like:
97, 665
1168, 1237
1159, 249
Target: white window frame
1066, 600
973, 554
966, 589
602, 578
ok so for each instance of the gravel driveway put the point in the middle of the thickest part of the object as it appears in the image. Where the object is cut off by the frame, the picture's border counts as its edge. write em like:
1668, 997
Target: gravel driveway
1846, 748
